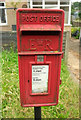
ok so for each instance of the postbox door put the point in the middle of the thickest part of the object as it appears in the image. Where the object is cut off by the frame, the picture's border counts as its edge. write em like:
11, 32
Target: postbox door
31, 80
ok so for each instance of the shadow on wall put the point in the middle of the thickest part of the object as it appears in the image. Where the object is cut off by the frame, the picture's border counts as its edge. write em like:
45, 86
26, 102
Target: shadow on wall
9, 39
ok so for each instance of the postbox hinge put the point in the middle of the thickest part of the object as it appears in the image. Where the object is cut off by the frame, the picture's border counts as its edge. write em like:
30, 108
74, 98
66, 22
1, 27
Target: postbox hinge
62, 55
60, 81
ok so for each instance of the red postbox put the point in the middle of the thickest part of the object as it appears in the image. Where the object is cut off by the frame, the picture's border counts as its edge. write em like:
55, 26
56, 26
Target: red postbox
39, 40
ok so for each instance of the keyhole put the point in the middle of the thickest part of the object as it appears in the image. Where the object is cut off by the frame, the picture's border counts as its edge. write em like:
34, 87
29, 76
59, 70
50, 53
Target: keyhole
28, 81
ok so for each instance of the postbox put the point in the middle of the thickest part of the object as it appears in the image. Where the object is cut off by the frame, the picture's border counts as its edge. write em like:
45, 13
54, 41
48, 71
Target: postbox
39, 41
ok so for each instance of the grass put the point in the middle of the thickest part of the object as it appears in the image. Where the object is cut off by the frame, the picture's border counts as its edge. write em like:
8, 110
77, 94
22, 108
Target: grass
68, 106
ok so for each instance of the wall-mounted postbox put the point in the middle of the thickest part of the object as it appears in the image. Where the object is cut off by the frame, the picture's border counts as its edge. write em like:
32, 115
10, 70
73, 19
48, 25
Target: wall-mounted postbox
39, 40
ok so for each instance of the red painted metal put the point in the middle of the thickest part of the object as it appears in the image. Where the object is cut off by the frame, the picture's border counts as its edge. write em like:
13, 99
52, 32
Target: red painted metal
40, 28
39, 32
60, 81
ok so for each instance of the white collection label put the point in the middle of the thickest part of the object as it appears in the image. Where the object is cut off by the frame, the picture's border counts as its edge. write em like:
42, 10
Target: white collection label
40, 78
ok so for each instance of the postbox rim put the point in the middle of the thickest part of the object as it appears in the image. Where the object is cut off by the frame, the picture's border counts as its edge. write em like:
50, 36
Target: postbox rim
39, 9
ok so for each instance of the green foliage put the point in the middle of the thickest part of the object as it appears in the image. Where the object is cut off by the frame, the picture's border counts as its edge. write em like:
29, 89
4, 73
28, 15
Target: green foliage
76, 4
68, 106
80, 6
79, 10
15, 4
74, 7
79, 15
72, 11
73, 30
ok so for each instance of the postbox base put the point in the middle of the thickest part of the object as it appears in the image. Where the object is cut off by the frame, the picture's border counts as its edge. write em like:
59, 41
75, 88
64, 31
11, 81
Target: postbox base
37, 105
